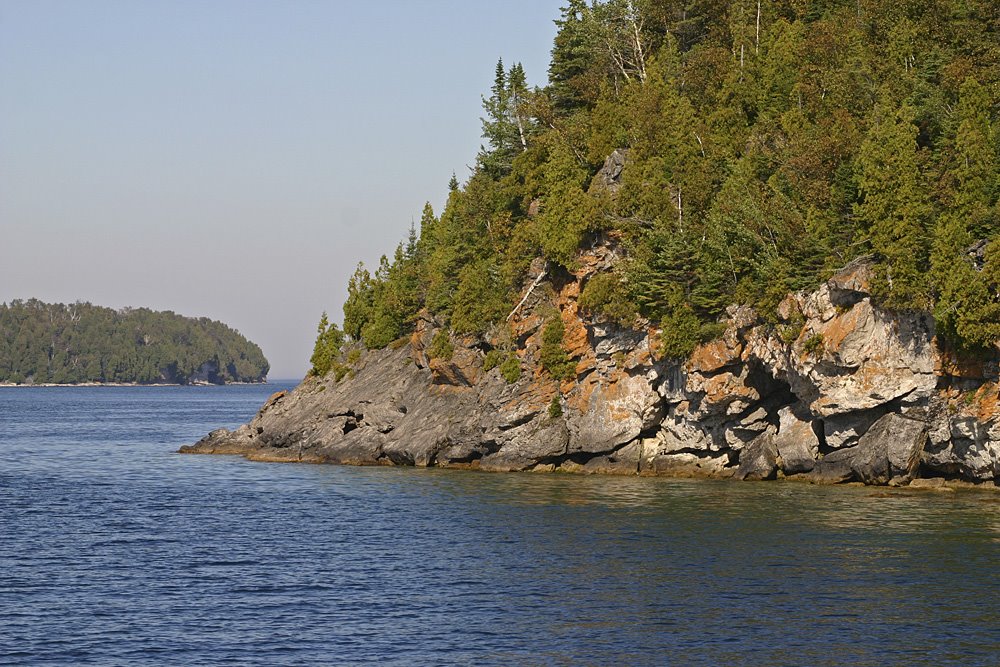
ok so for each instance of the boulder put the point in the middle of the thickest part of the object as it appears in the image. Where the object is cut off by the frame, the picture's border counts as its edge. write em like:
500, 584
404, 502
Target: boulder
834, 468
889, 452
609, 177
796, 441
461, 370
758, 461
685, 464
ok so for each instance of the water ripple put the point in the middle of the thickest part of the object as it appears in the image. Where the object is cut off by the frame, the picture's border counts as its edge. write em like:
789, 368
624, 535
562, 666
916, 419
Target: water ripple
116, 551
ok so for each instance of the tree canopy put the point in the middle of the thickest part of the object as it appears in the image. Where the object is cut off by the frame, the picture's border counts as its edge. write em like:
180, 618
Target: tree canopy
767, 144
80, 342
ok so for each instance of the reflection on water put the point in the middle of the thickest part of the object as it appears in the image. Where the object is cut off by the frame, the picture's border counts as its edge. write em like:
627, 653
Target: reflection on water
118, 551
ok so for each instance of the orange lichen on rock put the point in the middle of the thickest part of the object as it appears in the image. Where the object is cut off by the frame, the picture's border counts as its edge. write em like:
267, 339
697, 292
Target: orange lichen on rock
710, 357
840, 327
726, 386
950, 363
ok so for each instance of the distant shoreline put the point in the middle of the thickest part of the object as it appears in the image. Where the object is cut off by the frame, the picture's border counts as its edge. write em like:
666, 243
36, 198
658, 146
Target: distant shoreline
5, 385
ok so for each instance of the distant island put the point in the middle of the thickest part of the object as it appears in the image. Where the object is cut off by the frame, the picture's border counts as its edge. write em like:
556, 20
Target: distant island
80, 343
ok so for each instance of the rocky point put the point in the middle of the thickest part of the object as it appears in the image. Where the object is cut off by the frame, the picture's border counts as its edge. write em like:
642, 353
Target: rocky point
836, 390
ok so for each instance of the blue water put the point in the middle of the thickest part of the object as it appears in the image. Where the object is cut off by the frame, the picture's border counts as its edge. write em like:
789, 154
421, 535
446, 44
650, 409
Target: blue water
114, 550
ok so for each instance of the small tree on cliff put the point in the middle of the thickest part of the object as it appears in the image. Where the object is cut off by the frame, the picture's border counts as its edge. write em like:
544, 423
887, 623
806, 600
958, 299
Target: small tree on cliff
329, 339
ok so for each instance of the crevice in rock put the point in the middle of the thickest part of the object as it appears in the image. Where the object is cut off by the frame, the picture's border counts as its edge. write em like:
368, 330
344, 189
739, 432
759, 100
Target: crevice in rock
819, 429
518, 421
581, 458
652, 431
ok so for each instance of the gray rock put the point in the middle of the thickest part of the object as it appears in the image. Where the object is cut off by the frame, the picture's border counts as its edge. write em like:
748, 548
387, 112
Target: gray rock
844, 430
686, 465
796, 441
608, 178
627, 410
758, 461
890, 450
834, 468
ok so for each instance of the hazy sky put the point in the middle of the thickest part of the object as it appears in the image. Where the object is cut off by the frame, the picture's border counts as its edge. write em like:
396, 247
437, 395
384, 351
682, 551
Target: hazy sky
236, 159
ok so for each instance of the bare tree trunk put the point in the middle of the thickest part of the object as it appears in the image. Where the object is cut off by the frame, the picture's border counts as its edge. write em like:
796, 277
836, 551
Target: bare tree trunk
756, 44
520, 122
637, 37
534, 284
680, 210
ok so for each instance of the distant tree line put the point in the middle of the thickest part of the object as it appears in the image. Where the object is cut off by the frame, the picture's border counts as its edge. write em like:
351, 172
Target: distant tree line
80, 342
766, 144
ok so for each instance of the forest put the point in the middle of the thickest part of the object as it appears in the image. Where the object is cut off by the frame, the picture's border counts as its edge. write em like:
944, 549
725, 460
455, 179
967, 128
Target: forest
80, 342
762, 145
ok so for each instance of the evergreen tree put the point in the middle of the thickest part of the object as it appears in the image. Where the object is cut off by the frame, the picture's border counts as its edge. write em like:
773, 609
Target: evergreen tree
329, 340
358, 306
894, 207
506, 125
572, 56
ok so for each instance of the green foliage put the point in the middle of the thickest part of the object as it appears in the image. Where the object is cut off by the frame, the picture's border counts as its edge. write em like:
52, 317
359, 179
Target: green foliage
507, 362
813, 346
480, 298
894, 207
80, 342
555, 408
759, 159
683, 331
358, 306
791, 330
329, 339
552, 354
507, 125
353, 356
605, 295
510, 369
441, 346
492, 359
568, 213
340, 370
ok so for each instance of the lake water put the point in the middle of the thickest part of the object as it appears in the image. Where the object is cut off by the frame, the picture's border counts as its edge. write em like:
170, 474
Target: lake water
114, 550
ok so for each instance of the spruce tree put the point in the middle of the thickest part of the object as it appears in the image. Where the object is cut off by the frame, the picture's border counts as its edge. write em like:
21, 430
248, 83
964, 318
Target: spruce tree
894, 208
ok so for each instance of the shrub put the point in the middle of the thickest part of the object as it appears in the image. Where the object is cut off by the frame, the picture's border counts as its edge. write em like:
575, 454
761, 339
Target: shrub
510, 369
791, 331
555, 407
441, 346
604, 295
683, 332
813, 345
552, 355
493, 359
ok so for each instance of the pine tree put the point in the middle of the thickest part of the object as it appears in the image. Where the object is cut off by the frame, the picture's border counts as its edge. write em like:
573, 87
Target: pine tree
977, 172
329, 340
966, 308
358, 306
505, 126
894, 208
572, 56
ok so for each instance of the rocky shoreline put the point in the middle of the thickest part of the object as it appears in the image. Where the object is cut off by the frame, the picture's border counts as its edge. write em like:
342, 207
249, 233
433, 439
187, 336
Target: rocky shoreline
835, 391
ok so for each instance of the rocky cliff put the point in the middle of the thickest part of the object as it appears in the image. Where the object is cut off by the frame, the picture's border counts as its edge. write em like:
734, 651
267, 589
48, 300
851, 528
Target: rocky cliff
835, 390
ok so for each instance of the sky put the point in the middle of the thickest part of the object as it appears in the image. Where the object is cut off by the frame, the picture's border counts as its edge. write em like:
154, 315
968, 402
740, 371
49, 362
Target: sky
235, 159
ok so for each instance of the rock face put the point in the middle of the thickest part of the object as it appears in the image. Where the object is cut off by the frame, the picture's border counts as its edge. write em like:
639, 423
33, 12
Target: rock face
838, 390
